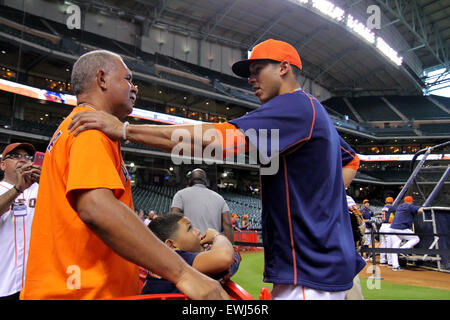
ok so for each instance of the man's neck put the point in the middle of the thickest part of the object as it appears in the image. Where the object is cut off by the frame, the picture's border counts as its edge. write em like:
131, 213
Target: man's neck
10, 181
91, 100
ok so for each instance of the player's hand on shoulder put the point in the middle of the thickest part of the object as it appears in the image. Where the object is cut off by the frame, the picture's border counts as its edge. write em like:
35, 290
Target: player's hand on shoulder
100, 120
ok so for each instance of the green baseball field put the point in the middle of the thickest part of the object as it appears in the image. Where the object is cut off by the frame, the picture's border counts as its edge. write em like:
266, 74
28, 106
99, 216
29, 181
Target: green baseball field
249, 277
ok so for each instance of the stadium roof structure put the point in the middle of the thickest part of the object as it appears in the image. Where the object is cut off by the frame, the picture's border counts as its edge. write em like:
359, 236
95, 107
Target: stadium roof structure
335, 53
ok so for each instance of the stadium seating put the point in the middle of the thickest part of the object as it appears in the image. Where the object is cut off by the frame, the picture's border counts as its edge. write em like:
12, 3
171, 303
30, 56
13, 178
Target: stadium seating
373, 109
244, 204
396, 131
339, 106
153, 197
159, 199
418, 108
435, 128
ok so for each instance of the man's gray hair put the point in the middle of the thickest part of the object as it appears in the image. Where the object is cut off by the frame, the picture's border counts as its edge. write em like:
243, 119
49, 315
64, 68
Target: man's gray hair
85, 68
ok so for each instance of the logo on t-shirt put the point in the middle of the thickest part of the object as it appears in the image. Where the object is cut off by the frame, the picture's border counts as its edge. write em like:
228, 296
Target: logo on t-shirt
125, 173
50, 146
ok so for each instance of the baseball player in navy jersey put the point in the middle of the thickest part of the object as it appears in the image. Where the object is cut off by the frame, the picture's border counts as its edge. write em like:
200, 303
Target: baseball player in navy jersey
402, 223
385, 240
309, 252
370, 225
307, 190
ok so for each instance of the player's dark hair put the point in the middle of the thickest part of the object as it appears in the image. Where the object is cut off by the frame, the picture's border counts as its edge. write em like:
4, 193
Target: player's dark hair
166, 225
295, 70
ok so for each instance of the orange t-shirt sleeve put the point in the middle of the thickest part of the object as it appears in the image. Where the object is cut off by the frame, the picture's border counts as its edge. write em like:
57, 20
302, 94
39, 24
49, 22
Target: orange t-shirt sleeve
232, 140
354, 164
94, 163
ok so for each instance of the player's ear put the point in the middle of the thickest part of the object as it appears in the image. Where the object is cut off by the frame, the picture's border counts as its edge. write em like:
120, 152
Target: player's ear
284, 68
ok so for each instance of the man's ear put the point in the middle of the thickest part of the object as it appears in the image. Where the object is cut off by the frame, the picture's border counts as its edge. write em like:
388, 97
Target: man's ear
101, 79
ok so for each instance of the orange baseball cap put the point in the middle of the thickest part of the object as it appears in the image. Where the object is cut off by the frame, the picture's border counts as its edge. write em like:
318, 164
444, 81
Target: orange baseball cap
408, 199
268, 50
23, 145
389, 200
365, 200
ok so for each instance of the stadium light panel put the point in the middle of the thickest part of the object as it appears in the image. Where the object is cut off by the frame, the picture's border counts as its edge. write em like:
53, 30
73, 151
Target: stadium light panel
360, 29
388, 51
339, 15
301, 1
329, 9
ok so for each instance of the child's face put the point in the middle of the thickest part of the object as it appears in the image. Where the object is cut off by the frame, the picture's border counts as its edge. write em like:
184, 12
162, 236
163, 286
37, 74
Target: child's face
187, 237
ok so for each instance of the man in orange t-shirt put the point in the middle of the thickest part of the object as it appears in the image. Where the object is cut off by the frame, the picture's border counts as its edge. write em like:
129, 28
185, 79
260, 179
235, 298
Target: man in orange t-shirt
86, 242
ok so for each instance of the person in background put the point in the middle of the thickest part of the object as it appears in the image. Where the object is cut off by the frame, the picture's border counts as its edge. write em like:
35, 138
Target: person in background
235, 221
370, 226
205, 208
245, 222
358, 227
220, 261
385, 240
402, 223
150, 216
18, 193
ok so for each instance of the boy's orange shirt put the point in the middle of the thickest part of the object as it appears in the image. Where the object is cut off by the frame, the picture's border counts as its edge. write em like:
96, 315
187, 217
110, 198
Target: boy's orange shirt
66, 259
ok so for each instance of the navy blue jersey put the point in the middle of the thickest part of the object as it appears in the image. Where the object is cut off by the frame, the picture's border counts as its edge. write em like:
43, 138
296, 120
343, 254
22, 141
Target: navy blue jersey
154, 284
386, 213
347, 152
367, 215
307, 233
404, 216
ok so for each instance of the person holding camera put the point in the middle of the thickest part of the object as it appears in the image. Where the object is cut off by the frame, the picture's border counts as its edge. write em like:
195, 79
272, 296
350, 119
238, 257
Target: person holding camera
18, 193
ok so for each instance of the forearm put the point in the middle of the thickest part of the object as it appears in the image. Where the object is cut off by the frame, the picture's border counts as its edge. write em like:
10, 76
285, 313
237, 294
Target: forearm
222, 245
7, 199
119, 228
166, 137
218, 258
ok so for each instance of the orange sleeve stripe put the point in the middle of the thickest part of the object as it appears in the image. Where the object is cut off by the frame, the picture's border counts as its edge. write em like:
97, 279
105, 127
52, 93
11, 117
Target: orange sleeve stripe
231, 138
354, 164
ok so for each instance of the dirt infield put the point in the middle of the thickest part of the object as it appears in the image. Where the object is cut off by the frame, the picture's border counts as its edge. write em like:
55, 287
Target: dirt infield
413, 276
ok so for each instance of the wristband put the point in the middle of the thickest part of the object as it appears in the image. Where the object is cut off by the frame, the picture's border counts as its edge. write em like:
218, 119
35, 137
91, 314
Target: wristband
17, 189
125, 124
